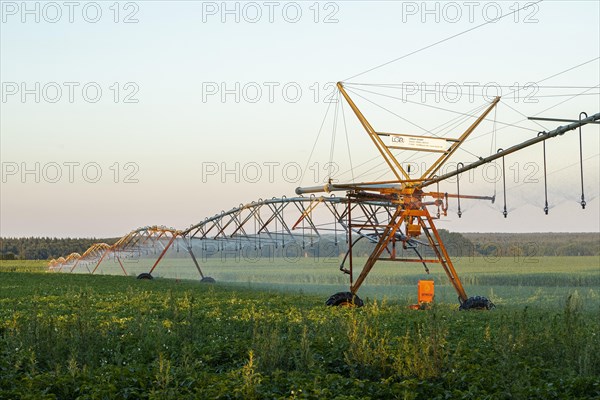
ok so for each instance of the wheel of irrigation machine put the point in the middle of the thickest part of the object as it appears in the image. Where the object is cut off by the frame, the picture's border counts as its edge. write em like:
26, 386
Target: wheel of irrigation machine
345, 299
477, 303
145, 276
207, 279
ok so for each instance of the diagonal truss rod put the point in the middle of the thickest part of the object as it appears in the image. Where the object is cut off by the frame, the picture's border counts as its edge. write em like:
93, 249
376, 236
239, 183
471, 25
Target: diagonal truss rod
455, 146
387, 155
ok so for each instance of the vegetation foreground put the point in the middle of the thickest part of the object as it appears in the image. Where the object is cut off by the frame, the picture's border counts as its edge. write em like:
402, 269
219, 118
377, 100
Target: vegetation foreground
76, 336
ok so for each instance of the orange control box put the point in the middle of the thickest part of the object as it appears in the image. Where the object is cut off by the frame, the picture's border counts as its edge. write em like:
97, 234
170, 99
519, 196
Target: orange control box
426, 291
413, 230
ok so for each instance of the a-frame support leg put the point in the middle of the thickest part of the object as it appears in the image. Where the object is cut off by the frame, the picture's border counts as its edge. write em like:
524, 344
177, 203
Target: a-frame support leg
162, 254
188, 245
441, 253
100, 260
189, 248
121, 264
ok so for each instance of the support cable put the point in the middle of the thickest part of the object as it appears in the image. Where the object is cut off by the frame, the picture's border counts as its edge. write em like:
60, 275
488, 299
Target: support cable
378, 157
316, 141
427, 87
353, 90
523, 115
444, 40
412, 123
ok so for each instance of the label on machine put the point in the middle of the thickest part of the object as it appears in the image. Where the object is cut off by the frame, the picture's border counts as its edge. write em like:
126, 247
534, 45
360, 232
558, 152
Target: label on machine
417, 143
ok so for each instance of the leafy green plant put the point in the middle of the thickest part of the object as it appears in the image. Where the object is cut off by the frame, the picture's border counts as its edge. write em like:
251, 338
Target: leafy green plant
78, 336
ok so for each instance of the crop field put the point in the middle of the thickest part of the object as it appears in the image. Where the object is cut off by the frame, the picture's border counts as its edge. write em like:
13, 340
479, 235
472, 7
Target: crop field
543, 281
263, 331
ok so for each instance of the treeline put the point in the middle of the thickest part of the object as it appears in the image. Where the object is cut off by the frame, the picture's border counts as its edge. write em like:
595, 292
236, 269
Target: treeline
44, 248
329, 246
458, 245
536, 244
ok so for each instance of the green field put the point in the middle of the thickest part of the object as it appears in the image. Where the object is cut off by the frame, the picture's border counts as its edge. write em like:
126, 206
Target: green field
540, 281
263, 332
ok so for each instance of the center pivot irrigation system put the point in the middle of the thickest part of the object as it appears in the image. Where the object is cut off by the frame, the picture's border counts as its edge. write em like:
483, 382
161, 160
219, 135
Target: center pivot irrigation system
391, 215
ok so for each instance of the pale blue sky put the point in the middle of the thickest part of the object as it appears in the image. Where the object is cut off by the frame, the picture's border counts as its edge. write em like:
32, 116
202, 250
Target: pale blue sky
171, 54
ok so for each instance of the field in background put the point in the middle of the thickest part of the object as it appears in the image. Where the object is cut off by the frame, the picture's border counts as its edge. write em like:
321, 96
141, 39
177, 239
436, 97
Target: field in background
23, 266
539, 281
543, 281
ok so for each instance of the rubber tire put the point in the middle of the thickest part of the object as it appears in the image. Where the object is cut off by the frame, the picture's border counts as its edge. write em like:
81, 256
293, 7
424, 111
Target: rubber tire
207, 279
347, 299
477, 303
145, 276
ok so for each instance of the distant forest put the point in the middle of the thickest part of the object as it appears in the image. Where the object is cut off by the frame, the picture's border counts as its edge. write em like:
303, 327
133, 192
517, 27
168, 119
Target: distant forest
45, 248
536, 244
463, 245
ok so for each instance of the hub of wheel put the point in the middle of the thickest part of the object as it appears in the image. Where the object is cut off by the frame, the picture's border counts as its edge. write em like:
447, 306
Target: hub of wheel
345, 299
477, 303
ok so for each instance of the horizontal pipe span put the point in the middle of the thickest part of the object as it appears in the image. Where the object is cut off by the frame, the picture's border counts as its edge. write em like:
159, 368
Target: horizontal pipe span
418, 260
556, 132
332, 187
559, 120
314, 189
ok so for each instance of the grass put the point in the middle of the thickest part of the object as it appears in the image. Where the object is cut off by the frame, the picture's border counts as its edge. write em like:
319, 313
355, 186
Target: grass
80, 336
23, 266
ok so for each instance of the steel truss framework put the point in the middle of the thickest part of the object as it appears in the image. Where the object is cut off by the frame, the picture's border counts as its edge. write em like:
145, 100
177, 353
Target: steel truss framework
277, 222
302, 222
142, 240
385, 213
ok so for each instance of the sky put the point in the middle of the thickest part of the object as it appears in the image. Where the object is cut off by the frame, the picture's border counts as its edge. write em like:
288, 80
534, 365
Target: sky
116, 115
